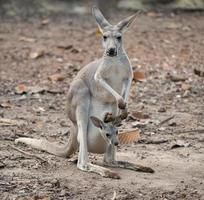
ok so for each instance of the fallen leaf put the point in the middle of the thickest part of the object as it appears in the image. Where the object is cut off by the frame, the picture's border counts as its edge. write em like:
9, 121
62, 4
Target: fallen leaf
2, 165
185, 86
27, 39
45, 21
129, 136
199, 72
37, 54
139, 115
173, 25
180, 143
65, 47
8, 122
162, 109
76, 50
140, 124
21, 89
56, 77
139, 76
5, 105
153, 14
175, 78
36, 89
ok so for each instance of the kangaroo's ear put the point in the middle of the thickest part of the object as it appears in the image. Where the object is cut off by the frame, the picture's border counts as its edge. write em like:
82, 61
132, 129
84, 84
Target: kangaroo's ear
124, 24
100, 19
97, 122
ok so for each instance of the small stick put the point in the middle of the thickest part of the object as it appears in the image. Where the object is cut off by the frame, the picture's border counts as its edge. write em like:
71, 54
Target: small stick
166, 120
188, 131
114, 195
26, 153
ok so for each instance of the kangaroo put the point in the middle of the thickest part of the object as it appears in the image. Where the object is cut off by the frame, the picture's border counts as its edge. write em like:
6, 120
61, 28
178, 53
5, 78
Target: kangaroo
100, 88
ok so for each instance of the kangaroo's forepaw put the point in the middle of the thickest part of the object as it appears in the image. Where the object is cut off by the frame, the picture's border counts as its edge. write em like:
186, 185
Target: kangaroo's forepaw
121, 104
124, 114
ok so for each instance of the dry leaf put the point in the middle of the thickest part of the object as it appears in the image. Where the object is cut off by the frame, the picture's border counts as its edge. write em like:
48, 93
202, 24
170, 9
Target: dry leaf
129, 136
185, 86
5, 105
154, 14
139, 115
8, 122
27, 39
175, 78
57, 77
45, 21
199, 72
37, 54
139, 76
180, 143
21, 88
65, 47
173, 25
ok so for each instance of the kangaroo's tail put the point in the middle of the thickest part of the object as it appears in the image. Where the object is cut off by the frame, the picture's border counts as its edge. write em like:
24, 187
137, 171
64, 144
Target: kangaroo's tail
42, 144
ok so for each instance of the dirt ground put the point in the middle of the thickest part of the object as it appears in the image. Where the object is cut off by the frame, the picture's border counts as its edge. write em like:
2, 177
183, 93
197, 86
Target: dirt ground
167, 48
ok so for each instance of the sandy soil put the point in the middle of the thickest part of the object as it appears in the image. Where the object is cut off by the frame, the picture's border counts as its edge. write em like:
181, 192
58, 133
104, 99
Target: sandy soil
166, 47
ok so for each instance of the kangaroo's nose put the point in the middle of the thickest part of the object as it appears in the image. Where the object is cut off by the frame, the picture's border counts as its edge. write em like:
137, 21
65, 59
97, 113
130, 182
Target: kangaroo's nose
116, 144
111, 52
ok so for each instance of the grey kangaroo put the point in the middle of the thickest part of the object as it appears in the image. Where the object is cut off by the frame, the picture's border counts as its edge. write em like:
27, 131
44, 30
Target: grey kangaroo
100, 88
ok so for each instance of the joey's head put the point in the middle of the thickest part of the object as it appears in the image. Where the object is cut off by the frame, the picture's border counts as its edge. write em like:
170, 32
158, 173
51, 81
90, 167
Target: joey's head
112, 34
108, 131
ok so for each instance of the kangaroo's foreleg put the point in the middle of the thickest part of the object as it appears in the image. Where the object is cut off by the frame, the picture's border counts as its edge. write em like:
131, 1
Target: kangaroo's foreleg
120, 101
109, 160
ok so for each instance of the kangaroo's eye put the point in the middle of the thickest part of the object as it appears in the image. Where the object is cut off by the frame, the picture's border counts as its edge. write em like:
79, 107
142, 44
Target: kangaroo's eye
119, 38
107, 135
104, 38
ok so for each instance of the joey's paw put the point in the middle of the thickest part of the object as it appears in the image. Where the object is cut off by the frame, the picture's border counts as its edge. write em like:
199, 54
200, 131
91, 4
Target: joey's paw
111, 174
124, 114
108, 117
121, 104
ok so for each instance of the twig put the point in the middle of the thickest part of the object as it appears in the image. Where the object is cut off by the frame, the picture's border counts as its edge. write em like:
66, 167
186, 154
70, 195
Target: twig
28, 154
188, 131
145, 141
114, 195
166, 120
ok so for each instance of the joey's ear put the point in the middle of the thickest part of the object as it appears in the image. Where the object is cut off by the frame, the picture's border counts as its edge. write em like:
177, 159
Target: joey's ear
124, 24
100, 19
97, 122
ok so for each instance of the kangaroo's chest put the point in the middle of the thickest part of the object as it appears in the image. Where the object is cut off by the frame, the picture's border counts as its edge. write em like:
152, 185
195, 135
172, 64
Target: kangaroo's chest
114, 73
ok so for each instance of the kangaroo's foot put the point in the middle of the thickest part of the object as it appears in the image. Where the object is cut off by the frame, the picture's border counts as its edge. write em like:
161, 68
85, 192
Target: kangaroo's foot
128, 165
99, 170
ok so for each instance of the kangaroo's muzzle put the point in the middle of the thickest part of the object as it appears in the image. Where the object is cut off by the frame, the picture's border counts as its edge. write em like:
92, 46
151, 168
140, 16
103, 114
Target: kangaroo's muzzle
111, 52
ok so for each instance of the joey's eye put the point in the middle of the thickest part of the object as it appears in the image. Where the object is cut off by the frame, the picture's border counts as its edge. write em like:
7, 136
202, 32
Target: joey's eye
107, 135
104, 38
116, 132
119, 38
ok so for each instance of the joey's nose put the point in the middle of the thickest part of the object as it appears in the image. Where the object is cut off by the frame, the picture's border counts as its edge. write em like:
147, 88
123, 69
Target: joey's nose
116, 144
111, 52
